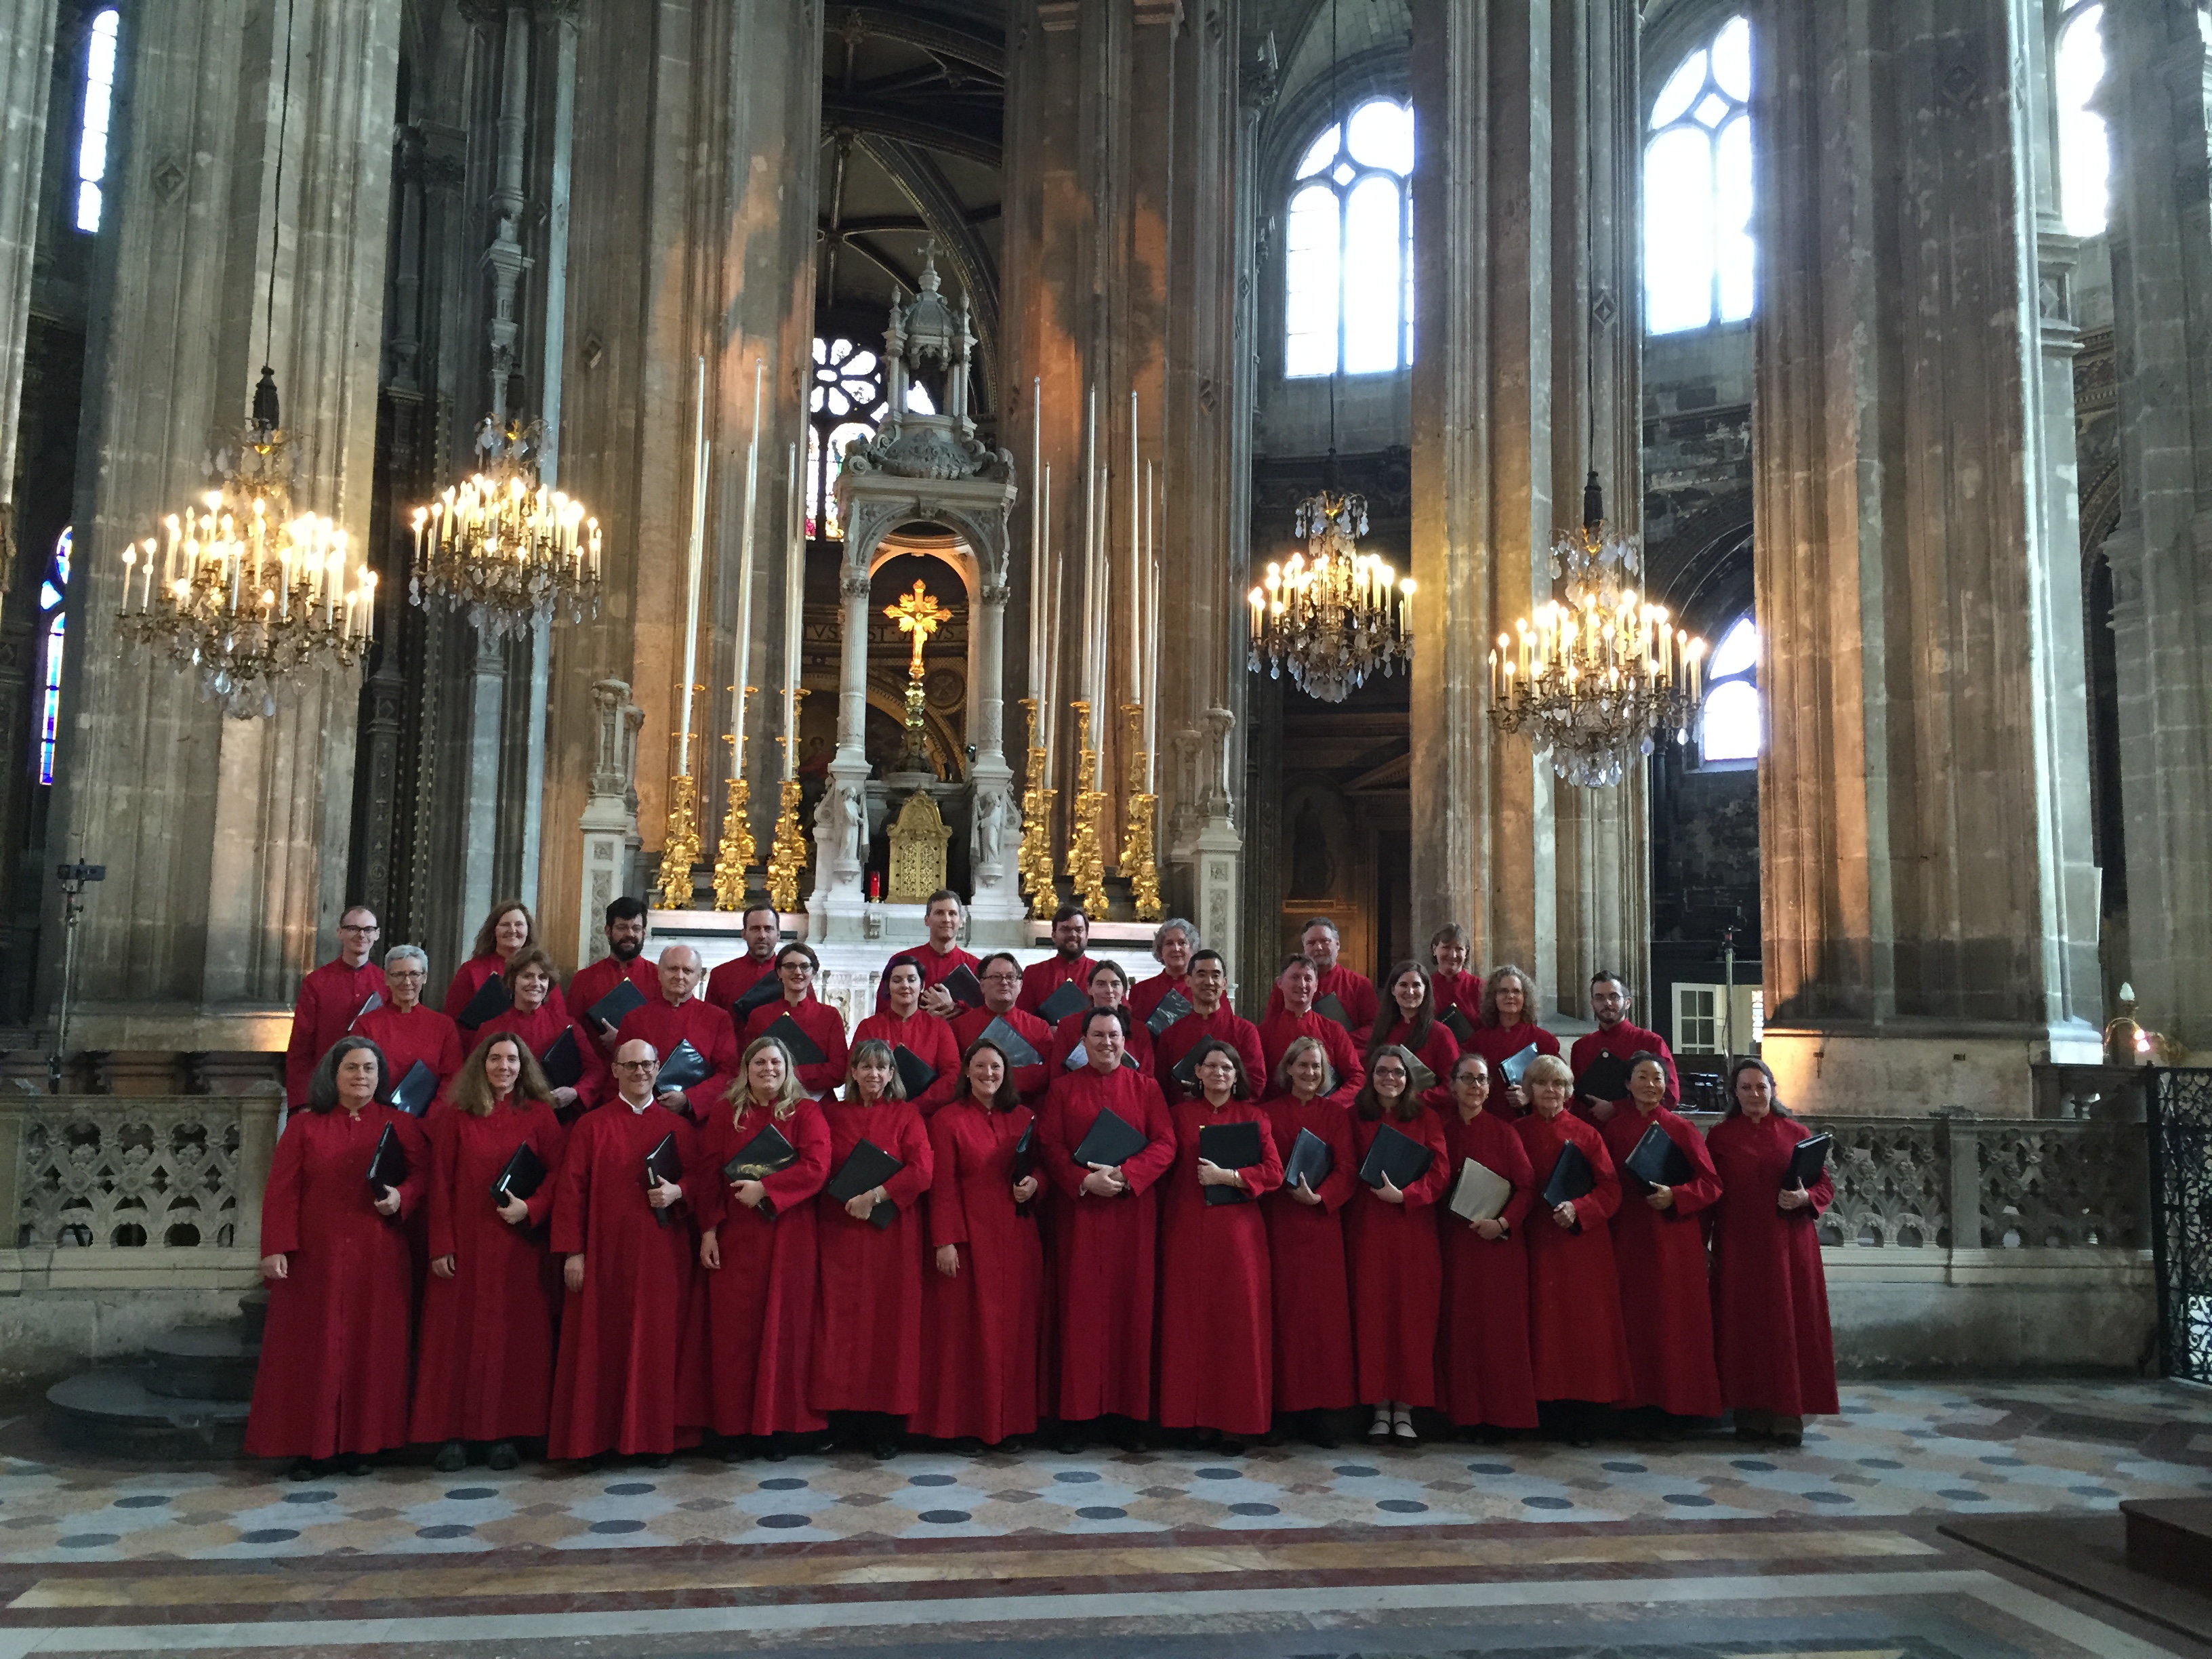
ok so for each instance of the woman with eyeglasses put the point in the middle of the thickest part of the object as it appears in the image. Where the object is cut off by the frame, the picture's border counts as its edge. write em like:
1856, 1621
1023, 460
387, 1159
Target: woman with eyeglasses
407, 1029
796, 966
1397, 1272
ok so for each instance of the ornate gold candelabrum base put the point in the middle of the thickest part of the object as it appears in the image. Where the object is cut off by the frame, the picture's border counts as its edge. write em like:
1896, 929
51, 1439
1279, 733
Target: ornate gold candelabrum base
1034, 862
680, 845
1138, 859
787, 857
1086, 858
736, 851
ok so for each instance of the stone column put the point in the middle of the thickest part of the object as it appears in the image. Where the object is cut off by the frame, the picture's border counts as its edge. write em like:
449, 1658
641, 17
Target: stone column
1928, 905
840, 818
994, 832
609, 824
2158, 69
224, 840
27, 72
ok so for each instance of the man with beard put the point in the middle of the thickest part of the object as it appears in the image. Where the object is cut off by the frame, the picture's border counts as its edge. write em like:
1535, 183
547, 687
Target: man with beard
625, 960
1070, 932
753, 973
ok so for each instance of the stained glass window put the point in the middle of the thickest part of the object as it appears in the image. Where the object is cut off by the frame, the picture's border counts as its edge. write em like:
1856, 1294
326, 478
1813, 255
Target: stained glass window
53, 620
99, 108
1348, 247
1698, 250
847, 401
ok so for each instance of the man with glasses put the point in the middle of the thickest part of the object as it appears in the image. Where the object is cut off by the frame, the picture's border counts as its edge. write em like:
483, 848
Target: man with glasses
675, 1016
331, 998
1001, 977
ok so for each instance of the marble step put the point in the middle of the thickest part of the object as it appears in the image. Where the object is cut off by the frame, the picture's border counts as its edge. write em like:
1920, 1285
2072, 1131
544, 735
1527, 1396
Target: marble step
2172, 1539
203, 1362
113, 1414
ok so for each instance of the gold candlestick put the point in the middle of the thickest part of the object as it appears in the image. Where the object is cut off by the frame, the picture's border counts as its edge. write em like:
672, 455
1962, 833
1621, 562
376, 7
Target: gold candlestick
1086, 862
1136, 854
680, 845
787, 857
1034, 863
736, 850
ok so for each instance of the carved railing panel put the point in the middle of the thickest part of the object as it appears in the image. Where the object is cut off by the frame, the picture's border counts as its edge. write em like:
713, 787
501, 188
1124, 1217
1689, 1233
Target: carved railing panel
1891, 1185
133, 1175
2062, 1186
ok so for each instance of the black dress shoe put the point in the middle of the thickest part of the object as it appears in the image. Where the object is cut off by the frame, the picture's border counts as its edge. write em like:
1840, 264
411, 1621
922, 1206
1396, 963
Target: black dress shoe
1320, 1432
777, 1450
358, 1465
1129, 1437
655, 1460
306, 1468
883, 1448
453, 1457
504, 1457
1068, 1444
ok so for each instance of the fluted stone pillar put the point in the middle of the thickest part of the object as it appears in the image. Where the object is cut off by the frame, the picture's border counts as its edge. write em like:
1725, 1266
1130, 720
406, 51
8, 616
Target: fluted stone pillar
2158, 62
225, 841
1928, 902
26, 59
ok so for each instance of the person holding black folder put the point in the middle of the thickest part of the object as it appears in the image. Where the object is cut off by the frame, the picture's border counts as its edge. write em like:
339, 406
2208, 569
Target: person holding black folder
1216, 1324
1659, 1251
982, 1300
484, 1376
1578, 1347
1609, 1004
764, 1156
743, 982
1390, 1236
405, 1029
582, 1082
1174, 947
1505, 1033
1482, 1343
331, 1000
509, 927
1309, 1291
811, 1030
936, 959
1291, 1016
1351, 994
1452, 988
1109, 988
1771, 1337
332, 1385
930, 1065
1105, 1231
867, 1309
1210, 1017
1067, 965
1408, 1021
624, 963
677, 1024
627, 1264
1024, 1039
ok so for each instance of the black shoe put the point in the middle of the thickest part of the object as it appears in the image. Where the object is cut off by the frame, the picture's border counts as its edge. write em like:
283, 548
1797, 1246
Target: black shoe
1319, 1431
883, 1448
359, 1465
503, 1457
306, 1468
777, 1450
654, 1461
453, 1457
1070, 1444
1129, 1437
1229, 1445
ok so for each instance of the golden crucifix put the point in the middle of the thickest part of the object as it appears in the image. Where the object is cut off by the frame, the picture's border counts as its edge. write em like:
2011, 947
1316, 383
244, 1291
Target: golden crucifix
918, 614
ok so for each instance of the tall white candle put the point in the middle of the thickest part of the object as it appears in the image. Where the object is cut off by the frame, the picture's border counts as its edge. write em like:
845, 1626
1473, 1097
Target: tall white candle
1136, 563
698, 557
1048, 614
1092, 599
745, 580
1036, 535
794, 604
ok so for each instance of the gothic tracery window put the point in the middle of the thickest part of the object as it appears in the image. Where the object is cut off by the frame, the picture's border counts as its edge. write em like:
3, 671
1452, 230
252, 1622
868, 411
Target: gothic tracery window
1697, 249
98, 107
847, 401
1730, 727
2084, 149
1348, 247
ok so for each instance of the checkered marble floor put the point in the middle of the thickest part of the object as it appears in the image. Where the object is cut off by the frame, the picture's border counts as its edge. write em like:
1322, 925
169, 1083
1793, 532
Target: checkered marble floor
1899, 1449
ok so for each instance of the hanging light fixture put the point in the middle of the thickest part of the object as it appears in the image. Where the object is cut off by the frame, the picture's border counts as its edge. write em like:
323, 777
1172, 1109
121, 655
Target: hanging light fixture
1598, 675
1332, 615
502, 546
248, 594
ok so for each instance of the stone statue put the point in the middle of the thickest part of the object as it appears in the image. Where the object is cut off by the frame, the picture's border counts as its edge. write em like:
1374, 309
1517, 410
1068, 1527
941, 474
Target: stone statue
837, 824
987, 842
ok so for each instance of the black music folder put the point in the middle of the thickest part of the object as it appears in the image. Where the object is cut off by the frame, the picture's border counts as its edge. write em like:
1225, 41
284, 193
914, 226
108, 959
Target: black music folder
1173, 1006
1063, 1002
524, 1175
1571, 1177
1231, 1146
562, 1062
663, 1164
685, 1067
491, 1001
1018, 1049
1808, 1159
1398, 1155
1605, 1077
387, 1165
375, 1001
761, 991
1310, 1158
962, 986
915, 1074
1329, 1008
1513, 1068
802, 1049
611, 1009
869, 1166
1110, 1142
1026, 1152
1657, 1161
1455, 1021
766, 1154
415, 1092
1185, 1071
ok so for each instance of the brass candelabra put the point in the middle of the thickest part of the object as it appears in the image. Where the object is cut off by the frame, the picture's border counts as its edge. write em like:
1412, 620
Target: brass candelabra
1137, 858
787, 855
734, 854
680, 845
1086, 854
1034, 863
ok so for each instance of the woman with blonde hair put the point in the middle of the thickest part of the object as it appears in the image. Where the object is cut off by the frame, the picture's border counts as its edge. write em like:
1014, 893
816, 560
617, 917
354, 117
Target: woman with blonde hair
1310, 1294
486, 1370
508, 927
752, 1343
1508, 1027
867, 1316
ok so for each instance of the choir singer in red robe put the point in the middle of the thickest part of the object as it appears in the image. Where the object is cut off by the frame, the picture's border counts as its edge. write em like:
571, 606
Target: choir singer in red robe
1210, 1016
1777, 1352
1482, 1344
1309, 1288
1109, 988
980, 1302
1174, 947
1397, 1269
675, 1016
531, 1016
901, 1024
485, 1375
1217, 1338
1508, 1026
796, 965
509, 927
733, 979
1451, 985
1067, 964
1659, 1255
405, 1028
753, 1335
1296, 986
625, 921
1408, 1020
935, 958
1609, 1004
331, 1000
1354, 992
628, 1269
333, 1381
1104, 1238
1000, 975
1579, 1348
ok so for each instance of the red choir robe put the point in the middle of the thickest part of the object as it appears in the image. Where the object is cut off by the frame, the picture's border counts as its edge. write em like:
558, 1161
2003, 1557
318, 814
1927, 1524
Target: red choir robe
1623, 1042
1310, 1287
1462, 991
541, 1029
333, 1372
867, 1305
1659, 1257
1355, 991
1397, 1272
595, 980
934, 968
421, 1033
1030, 1082
617, 1386
732, 979
1482, 1346
1577, 1346
1195, 1028
1217, 1307
1041, 979
979, 1337
1499, 1043
1439, 1053
929, 1039
1103, 1247
1772, 1336
1280, 1029
1146, 995
469, 978
705, 1027
330, 1000
824, 1027
485, 1371
1067, 1037
752, 1336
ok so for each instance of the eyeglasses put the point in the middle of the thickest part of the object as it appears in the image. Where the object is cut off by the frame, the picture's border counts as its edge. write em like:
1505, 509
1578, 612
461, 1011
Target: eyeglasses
635, 1065
356, 928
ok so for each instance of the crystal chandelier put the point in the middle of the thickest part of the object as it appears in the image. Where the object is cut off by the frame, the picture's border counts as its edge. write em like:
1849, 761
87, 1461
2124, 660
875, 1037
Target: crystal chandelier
1603, 674
1332, 615
503, 547
247, 594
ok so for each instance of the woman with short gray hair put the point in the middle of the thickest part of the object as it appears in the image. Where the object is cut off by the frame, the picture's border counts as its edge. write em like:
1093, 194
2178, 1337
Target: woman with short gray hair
409, 1030
1174, 941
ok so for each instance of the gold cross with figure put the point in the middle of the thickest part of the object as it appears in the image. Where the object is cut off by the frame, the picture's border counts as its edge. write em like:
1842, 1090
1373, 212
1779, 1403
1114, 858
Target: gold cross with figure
918, 614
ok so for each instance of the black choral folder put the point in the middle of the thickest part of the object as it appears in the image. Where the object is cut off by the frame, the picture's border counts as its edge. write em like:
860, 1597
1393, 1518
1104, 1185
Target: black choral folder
1017, 1048
611, 1009
663, 1163
1310, 1158
915, 1074
1808, 1159
1397, 1155
1230, 1146
414, 1092
1455, 1021
1063, 1002
868, 1166
524, 1175
1173, 1006
1185, 1071
1657, 1161
802, 1049
685, 1067
562, 1062
766, 1154
491, 1001
962, 986
1514, 1067
1571, 1177
1026, 1152
375, 1001
1110, 1142
1605, 1077
387, 1165
1329, 1008
761, 991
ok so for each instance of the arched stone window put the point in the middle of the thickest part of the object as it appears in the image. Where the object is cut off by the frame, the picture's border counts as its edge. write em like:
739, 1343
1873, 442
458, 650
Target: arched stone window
1730, 724
1697, 249
2085, 159
846, 402
1348, 247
